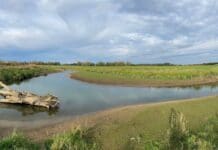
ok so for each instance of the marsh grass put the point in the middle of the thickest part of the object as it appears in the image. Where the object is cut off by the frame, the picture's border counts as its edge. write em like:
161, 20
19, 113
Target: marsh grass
181, 130
16, 141
12, 74
151, 122
148, 75
180, 137
178, 131
74, 140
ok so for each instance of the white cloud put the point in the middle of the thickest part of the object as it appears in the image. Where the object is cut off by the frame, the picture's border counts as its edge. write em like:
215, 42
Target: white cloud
201, 47
121, 51
21, 38
91, 29
179, 41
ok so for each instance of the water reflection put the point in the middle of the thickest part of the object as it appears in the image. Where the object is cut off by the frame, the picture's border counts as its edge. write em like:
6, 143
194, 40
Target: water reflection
27, 110
78, 97
199, 87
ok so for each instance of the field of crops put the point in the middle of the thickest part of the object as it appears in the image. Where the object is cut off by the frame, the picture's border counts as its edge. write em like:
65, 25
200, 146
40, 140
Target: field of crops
164, 75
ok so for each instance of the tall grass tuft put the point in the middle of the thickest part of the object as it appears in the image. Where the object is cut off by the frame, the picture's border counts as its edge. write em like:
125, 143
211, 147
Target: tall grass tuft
181, 138
75, 140
178, 131
17, 141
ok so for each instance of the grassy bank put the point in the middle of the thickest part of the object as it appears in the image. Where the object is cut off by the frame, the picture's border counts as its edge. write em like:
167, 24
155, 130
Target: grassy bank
148, 75
118, 128
150, 122
179, 137
12, 74
77, 139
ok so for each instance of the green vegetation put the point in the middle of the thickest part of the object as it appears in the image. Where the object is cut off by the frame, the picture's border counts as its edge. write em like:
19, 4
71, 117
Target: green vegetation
147, 127
181, 138
15, 63
158, 126
17, 141
75, 140
11, 74
148, 124
148, 75
102, 64
122, 63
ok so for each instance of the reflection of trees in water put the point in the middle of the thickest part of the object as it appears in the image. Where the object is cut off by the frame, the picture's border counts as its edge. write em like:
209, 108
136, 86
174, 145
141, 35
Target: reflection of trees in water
26, 110
214, 86
211, 86
197, 87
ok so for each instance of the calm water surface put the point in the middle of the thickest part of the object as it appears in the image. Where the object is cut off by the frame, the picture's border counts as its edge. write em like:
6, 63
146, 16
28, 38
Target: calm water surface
77, 98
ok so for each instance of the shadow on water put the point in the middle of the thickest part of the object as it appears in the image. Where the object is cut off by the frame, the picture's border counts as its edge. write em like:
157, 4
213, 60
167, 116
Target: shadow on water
27, 110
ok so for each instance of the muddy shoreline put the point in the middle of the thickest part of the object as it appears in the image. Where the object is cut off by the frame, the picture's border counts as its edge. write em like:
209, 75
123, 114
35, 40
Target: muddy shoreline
89, 120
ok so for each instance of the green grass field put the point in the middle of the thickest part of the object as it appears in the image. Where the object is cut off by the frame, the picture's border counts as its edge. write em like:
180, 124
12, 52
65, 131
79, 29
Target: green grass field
18, 73
150, 122
148, 75
130, 127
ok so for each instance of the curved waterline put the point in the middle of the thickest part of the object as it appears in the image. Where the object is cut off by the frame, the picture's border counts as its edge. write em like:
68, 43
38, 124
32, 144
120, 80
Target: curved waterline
78, 98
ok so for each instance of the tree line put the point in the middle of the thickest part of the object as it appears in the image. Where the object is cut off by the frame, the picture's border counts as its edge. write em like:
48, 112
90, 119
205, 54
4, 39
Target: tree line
15, 63
101, 63
118, 63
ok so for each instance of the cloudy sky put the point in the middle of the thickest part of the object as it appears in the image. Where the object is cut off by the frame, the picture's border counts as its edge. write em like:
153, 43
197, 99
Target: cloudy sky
141, 31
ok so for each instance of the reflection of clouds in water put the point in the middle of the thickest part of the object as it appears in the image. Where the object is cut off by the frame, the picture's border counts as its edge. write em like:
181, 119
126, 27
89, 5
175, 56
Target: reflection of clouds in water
78, 97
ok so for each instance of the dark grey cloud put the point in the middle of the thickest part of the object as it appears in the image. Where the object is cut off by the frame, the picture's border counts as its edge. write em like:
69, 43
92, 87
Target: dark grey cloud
146, 31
